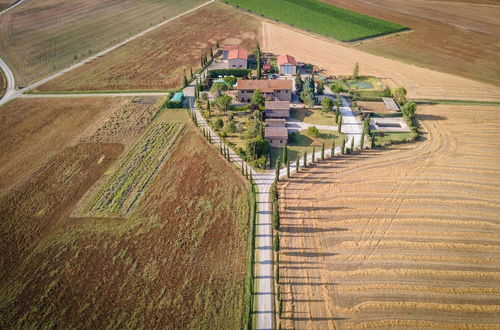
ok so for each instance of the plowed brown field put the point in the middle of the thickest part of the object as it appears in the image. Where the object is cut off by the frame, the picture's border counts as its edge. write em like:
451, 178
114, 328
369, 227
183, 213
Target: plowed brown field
457, 37
338, 59
158, 60
407, 236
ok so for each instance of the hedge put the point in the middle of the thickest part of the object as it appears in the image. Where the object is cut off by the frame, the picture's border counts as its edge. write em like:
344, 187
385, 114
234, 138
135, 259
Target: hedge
228, 72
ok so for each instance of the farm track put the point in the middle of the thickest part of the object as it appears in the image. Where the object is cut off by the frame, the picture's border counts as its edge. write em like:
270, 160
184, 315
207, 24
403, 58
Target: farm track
124, 188
402, 237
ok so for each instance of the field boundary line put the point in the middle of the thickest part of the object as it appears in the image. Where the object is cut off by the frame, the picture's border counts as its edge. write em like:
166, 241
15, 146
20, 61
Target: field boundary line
14, 5
99, 54
314, 34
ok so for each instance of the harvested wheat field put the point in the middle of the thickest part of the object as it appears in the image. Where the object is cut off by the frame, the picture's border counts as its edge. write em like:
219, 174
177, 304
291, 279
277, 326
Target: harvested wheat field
177, 261
159, 59
32, 130
44, 36
338, 59
405, 237
457, 37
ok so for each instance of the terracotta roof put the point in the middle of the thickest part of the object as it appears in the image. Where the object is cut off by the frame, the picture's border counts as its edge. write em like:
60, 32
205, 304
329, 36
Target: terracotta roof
276, 133
277, 105
286, 59
240, 54
266, 66
266, 86
229, 47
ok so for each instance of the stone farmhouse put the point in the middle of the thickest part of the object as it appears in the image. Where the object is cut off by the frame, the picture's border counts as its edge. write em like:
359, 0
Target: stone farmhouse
237, 59
287, 65
273, 90
276, 132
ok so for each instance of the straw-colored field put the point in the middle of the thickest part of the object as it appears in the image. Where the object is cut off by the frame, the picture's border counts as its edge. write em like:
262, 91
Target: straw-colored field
338, 59
403, 237
45, 36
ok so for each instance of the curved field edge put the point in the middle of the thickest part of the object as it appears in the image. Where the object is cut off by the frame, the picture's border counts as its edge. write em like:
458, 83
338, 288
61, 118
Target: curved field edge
320, 18
178, 259
3, 83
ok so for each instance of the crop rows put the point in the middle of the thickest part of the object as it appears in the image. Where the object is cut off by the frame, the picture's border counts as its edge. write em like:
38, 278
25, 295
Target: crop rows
321, 18
125, 186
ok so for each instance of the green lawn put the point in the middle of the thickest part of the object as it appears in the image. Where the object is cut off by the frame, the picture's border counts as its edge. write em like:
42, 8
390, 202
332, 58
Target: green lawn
304, 142
321, 18
316, 117
394, 137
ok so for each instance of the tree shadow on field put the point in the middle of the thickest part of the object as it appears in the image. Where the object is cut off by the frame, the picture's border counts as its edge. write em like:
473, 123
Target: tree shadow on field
309, 255
315, 208
425, 117
304, 229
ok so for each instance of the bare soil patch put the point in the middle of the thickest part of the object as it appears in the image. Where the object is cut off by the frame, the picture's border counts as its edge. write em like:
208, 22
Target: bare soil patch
159, 59
338, 59
34, 130
41, 37
401, 237
179, 259
457, 37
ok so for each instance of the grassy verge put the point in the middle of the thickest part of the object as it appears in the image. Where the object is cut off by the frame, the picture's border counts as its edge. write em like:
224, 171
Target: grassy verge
301, 142
457, 102
321, 18
316, 117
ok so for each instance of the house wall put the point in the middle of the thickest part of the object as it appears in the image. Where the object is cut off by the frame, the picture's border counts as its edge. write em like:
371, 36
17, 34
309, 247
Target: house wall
225, 54
237, 64
288, 69
283, 94
277, 143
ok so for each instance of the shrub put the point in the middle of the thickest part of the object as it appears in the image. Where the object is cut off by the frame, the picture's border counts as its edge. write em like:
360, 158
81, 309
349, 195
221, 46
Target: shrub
313, 131
228, 72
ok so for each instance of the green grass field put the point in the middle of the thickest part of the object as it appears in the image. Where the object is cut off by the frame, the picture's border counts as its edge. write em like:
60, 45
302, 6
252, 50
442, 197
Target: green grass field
315, 117
321, 18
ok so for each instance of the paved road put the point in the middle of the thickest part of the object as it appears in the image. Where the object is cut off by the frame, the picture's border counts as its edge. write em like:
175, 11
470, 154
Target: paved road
11, 82
15, 4
18, 93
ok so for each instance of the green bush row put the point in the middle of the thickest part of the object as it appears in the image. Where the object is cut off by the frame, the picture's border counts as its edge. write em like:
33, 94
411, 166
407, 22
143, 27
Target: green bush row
228, 72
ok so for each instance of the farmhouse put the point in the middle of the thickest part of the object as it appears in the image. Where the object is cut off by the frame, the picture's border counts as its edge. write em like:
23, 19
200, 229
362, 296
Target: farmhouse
276, 132
277, 109
273, 90
287, 64
237, 59
226, 49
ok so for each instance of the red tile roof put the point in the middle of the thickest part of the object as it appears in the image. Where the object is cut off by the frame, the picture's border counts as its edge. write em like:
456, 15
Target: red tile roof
286, 59
240, 54
266, 66
266, 86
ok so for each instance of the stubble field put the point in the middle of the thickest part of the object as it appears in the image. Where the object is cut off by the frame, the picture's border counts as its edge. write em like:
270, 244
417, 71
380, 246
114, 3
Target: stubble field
41, 37
158, 60
457, 37
402, 237
179, 258
338, 59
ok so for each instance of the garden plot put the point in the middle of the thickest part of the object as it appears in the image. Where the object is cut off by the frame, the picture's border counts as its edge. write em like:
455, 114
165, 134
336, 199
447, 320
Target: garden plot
124, 188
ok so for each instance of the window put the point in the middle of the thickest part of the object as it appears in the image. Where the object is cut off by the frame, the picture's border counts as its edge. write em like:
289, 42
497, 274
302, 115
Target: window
281, 141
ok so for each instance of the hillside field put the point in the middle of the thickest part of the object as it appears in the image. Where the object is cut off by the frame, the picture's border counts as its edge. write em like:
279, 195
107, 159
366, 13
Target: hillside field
321, 18
159, 59
178, 258
457, 37
41, 37
402, 237
336, 59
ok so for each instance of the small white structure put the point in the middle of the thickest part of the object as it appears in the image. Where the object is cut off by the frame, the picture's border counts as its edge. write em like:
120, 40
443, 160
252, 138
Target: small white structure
287, 65
237, 59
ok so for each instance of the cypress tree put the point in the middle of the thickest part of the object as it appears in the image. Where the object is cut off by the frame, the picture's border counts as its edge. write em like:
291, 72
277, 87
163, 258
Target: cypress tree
340, 123
323, 151
246, 172
211, 52
352, 144
314, 154
342, 148
278, 165
333, 148
297, 164
362, 140
305, 158
276, 243
242, 168
287, 168
184, 80
285, 154
276, 215
191, 69
208, 107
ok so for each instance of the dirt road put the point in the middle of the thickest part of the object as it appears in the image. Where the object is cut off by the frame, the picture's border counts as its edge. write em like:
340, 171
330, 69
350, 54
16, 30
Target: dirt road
403, 237
338, 59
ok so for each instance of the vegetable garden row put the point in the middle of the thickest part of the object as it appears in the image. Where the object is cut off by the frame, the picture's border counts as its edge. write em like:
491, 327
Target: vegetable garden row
124, 188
